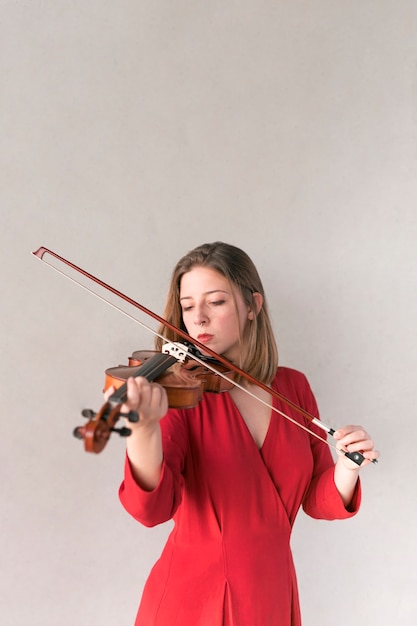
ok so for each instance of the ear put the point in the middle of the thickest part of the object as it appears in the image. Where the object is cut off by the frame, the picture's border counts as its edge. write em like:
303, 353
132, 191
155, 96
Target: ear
258, 302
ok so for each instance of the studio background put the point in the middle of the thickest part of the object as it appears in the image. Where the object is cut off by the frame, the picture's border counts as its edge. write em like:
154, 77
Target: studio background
132, 132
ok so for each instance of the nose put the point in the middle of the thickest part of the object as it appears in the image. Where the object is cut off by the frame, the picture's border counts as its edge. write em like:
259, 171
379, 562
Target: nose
200, 317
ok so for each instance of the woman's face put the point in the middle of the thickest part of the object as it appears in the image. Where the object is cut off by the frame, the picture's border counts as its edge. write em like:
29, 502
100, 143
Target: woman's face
213, 312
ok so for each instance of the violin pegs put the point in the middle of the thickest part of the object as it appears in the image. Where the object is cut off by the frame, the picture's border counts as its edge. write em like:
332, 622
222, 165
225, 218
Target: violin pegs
123, 431
78, 432
88, 413
132, 416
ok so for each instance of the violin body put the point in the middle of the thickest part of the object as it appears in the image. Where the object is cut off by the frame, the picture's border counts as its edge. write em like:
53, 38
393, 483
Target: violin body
183, 389
184, 384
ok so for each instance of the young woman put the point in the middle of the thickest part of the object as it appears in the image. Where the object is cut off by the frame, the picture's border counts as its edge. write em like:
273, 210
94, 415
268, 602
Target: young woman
231, 473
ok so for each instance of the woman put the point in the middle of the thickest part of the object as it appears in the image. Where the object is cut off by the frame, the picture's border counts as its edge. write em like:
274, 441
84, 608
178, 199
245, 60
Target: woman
231, 473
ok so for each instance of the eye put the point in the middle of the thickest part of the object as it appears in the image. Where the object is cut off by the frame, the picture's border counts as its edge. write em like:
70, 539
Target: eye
187, 308
217, 302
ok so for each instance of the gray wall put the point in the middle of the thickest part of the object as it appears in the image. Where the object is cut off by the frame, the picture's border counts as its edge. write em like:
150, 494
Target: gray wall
131, 132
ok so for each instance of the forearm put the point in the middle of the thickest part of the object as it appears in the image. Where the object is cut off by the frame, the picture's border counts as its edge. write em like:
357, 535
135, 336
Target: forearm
345, 480
144, 446
144, 450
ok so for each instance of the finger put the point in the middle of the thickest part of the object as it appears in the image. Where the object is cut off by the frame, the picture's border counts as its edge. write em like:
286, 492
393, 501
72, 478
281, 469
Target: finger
132, 396
150, 398
351, 434
371, 455
355, 435
109, 392
159, 399
346, 430
359, 446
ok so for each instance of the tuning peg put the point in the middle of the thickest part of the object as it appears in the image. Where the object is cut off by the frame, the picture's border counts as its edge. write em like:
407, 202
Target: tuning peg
131, 416
88, 413
78, 432
123, 431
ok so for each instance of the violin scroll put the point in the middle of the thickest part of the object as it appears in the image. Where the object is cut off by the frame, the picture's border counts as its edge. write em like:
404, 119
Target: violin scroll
101, 425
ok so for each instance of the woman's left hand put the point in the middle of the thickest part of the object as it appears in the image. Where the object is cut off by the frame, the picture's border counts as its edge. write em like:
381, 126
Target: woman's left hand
355, 439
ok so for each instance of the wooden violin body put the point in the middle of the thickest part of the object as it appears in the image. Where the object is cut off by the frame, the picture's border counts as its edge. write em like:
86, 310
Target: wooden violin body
184, 384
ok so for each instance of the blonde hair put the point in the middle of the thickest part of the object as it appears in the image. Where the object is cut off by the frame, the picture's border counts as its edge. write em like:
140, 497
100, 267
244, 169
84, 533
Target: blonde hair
259, 352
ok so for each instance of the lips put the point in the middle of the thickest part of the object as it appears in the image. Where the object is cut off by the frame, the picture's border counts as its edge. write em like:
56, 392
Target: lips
204, 337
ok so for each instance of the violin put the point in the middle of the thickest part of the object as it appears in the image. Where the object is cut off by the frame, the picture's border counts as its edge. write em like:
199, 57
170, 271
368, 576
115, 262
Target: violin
97, 431
184, 383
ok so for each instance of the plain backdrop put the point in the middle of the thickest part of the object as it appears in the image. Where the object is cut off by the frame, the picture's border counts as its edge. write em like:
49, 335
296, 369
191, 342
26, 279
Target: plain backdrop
131, 132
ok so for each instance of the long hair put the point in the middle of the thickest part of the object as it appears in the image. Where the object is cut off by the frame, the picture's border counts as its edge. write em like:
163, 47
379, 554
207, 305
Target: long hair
259, 354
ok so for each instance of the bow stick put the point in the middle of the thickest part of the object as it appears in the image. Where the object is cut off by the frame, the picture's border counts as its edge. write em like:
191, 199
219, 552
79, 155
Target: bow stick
357, 457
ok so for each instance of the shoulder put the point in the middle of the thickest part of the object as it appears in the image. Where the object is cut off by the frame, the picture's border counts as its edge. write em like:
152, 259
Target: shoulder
289, 376
294, 384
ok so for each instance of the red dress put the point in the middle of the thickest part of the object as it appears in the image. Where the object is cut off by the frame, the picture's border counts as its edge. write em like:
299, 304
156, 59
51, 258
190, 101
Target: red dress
227, 561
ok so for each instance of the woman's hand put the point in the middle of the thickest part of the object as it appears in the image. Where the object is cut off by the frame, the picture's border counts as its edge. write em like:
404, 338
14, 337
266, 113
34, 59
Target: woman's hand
149, 400
351, 439
355, 439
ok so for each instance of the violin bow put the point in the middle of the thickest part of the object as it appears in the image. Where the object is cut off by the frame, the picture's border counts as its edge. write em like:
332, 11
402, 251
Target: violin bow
356, 457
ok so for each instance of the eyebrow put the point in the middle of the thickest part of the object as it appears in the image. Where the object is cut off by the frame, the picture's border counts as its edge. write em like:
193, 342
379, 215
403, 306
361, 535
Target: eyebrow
206, 293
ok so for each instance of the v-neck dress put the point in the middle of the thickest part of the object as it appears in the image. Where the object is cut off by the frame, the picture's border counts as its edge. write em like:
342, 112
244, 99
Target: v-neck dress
227, 561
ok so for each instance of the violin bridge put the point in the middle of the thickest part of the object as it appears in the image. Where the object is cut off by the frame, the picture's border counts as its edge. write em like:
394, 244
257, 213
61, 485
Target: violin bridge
177, 350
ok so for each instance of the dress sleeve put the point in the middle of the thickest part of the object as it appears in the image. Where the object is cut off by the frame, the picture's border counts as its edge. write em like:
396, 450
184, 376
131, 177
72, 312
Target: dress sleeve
159, 505
322, 500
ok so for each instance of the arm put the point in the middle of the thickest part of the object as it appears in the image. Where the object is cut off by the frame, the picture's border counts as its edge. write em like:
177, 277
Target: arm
151, 490
144, 446
334, 491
